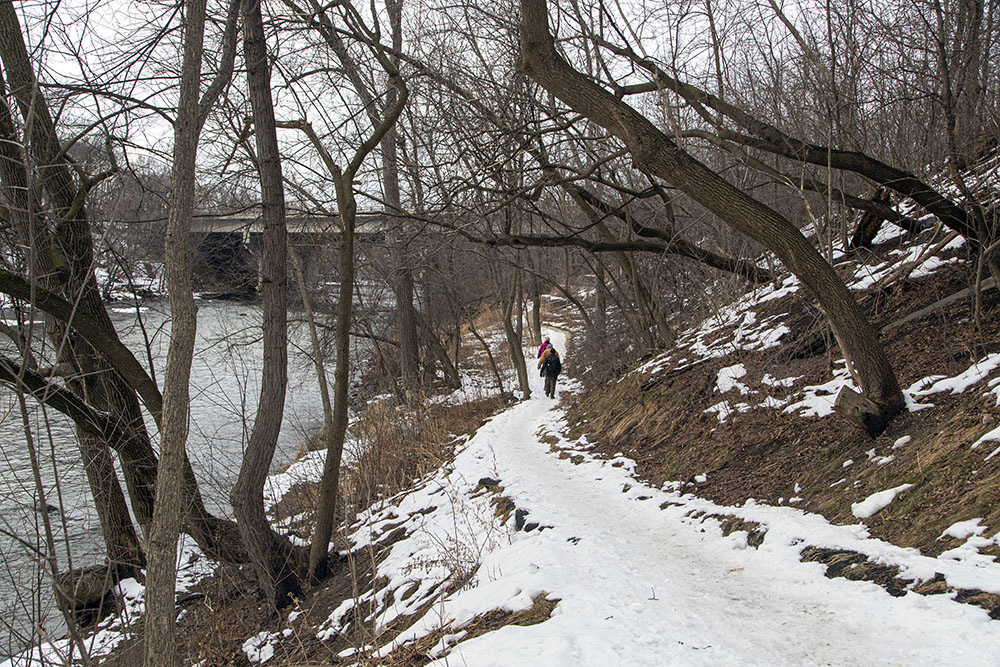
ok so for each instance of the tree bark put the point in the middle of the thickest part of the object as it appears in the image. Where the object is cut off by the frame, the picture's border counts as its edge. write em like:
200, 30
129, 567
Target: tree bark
62, 285
74, 253
161, 613
326, 503
271, 554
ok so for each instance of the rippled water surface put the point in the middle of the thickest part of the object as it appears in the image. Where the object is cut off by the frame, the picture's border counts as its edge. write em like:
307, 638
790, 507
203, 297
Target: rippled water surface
224, 390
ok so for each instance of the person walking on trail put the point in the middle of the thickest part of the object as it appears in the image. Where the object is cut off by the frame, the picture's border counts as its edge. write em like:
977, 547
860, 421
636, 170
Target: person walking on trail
543, 352
550, 366
544, 346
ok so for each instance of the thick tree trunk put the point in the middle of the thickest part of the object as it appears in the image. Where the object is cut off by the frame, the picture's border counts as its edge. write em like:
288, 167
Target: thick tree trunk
77, 281
123, 549
121, 376
655, 153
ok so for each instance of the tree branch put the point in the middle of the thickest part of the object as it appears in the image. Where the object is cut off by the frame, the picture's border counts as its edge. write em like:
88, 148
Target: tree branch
767, 137
108, 345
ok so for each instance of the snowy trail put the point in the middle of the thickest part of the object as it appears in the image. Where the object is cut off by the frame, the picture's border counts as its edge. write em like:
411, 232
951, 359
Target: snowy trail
642, 586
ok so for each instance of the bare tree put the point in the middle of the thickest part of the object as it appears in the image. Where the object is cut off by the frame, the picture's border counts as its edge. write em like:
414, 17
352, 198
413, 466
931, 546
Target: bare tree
60, 282
344, 181
71, 251
507, 281
657, 154
377, 106
162, 550
277, 563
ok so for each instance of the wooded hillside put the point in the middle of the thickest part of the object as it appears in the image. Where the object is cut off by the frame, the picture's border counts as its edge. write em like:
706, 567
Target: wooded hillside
647, 164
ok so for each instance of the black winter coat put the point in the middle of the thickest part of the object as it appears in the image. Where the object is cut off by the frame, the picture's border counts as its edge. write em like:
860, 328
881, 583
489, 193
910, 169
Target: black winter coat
552, 366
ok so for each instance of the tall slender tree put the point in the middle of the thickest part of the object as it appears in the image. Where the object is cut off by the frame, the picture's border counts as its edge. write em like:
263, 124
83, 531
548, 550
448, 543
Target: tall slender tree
277, 562
160, 615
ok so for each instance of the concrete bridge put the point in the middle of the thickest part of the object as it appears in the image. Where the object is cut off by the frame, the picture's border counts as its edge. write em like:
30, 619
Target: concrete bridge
366, 224
227, 248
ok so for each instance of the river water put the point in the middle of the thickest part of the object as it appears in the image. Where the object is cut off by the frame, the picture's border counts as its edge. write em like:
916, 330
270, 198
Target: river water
224, 391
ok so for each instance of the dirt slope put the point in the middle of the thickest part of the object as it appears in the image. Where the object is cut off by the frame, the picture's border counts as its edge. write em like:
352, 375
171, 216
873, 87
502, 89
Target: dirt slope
659, 418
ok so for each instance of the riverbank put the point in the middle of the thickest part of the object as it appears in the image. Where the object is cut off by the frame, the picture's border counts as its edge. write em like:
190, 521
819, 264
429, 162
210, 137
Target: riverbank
705, 507
224, 390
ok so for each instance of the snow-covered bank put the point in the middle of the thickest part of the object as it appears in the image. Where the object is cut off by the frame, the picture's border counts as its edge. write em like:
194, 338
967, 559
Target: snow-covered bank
192, 567
638, 575
642, 578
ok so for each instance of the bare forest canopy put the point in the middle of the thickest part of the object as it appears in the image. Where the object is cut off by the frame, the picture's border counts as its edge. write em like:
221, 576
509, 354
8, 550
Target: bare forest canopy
643, 160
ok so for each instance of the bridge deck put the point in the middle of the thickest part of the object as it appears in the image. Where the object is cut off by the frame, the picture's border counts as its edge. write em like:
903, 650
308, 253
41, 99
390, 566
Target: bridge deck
366, 223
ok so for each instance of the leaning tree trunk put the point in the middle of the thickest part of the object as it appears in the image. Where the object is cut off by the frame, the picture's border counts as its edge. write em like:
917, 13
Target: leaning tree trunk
326, 503
55, 179
656, 154
114, 375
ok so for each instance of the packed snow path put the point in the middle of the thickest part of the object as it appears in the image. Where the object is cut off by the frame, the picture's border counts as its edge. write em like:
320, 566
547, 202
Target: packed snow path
639, 585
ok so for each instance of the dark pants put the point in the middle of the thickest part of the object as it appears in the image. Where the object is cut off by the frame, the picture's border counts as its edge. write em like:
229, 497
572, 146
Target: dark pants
550, 386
